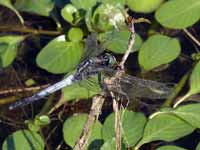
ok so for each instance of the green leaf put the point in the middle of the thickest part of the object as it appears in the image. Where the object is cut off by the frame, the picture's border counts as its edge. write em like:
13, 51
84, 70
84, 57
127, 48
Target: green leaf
132, 125
178, 14
108, 130
23, 140
198, 146
3, 47
194, 85
121, 2
73, 126
195, 80
190, 113
71, 14
60, 56
107, 17
143, 6
110, 145
42, 7
170, 147
158, 50
118, 41
43, 120
8, 49
75, 34
165, 127
7, 3
84, 4
81, 90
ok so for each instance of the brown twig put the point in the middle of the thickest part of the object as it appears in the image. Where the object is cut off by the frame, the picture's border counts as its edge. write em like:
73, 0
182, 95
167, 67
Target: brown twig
10, 99
118, 75
91, 120
28, 30
192, 37
130, 44
19, 90
117, 123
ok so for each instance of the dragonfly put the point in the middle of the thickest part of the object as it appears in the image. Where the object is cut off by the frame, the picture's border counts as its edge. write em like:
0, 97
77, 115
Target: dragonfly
93, 63
96, 62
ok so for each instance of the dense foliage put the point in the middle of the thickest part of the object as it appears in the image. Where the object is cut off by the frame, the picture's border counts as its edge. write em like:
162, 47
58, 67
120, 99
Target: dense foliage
49, 38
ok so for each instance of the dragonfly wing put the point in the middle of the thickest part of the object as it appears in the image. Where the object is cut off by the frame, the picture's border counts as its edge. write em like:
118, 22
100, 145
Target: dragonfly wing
137, 87
92, 48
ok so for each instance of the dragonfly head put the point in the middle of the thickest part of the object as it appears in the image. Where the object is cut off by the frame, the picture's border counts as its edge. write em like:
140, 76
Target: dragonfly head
111, 60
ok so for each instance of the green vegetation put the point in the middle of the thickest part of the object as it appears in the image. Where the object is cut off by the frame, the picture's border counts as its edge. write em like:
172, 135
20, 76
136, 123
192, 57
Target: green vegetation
48, 38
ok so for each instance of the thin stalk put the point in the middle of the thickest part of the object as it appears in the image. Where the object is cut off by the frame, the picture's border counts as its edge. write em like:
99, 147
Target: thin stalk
181, 100
28, 30
192, 37
168, 102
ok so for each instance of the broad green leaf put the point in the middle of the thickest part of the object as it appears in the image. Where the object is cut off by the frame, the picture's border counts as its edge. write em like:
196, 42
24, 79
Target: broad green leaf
118, 41
88, 20
158, 50
190, 113
82, 90
165, 127
23, 140
3, 47
170, 147
8, 49
122, 2
71, 14
110, 145
132, 125
74, 125
107, 17
7, 3
42, 7
108, 130
84, 4
75, 34
178, 14
60, 56
195, 80
143, 6
198, 146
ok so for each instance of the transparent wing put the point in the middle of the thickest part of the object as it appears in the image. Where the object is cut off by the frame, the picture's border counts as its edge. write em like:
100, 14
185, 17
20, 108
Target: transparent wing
91, 84
92, 48
136, 87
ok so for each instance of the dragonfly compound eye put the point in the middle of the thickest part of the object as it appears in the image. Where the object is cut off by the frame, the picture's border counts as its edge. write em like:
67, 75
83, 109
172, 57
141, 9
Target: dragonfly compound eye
111, 59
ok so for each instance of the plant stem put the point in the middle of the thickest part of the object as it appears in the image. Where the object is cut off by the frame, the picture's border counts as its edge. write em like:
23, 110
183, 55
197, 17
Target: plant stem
28, 30
168, 102
181, 100
192, 37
